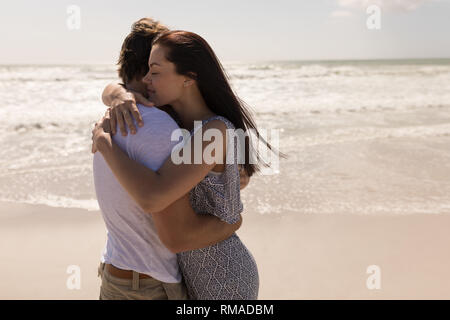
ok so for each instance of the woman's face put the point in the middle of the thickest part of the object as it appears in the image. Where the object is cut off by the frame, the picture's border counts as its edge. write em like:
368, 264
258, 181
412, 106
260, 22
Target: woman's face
164, 85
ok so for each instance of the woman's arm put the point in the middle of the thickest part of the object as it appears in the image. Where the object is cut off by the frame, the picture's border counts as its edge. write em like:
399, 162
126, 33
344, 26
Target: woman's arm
178, 226
111, 92
156, 190
181, 229
123, 105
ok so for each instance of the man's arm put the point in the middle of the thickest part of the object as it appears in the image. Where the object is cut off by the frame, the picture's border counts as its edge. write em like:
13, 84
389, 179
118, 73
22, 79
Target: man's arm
181, 229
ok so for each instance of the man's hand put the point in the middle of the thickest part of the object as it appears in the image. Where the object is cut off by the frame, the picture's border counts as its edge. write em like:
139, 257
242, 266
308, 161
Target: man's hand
244, 178
238, 224
123, 105
101, 131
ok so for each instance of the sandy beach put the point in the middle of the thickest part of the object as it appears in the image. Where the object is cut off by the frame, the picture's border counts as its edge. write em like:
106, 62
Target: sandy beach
298, 256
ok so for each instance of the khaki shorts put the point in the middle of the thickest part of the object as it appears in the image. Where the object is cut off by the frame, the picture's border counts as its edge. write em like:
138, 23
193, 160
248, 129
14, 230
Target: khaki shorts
114, 288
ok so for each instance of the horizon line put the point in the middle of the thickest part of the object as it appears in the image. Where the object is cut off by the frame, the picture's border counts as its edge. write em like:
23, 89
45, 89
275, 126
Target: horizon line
239, 61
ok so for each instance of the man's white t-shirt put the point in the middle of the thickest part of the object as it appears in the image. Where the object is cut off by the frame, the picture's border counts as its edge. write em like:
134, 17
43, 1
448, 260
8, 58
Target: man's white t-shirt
132, 241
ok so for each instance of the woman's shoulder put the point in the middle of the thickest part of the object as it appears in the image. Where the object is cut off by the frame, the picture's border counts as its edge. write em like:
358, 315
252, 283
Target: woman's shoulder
217, 119
214, 122
220, 123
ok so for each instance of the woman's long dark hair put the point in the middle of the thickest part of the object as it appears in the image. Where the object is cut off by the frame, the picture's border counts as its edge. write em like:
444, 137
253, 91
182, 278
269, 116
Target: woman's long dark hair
193, 57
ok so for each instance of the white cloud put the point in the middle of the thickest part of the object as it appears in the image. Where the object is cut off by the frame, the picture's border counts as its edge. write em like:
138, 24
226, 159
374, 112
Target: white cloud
388, 5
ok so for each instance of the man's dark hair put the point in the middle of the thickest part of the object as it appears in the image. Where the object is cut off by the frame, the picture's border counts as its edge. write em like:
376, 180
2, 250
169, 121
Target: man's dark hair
133, 60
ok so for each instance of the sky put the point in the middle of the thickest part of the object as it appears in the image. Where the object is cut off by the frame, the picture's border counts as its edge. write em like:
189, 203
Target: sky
45, 32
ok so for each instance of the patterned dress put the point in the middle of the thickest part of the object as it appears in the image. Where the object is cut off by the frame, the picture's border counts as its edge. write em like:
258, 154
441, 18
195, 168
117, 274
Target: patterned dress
226, 270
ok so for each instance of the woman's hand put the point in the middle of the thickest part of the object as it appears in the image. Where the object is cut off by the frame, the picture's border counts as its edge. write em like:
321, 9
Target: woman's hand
244, 178
123, 105
101, 134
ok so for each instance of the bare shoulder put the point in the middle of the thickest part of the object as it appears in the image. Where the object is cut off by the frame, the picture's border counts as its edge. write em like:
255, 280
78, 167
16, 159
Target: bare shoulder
216, 124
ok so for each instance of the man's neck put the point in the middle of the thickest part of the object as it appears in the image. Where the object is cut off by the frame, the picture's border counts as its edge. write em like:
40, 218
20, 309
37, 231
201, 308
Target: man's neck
136, 86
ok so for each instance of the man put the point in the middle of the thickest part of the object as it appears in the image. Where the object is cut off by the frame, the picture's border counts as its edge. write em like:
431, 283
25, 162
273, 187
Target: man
139, 260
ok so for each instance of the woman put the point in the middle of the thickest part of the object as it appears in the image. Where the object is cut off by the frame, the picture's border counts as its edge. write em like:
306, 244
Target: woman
144, 244
186, 74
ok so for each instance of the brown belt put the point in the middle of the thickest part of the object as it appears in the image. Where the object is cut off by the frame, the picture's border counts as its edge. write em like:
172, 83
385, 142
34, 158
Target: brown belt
124, 274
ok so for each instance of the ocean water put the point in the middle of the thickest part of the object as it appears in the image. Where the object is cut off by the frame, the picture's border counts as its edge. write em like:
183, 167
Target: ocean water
362, 137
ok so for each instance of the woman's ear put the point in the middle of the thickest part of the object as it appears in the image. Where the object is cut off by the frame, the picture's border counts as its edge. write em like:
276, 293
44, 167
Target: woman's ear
187, 83
190, 79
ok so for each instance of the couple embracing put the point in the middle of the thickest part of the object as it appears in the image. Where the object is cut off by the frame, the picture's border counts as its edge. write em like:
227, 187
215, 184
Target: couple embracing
171, 226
